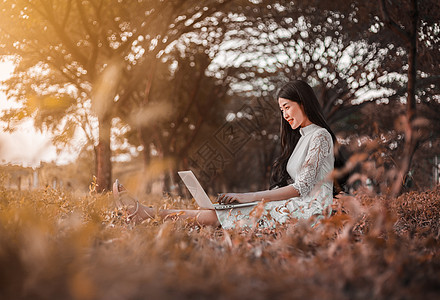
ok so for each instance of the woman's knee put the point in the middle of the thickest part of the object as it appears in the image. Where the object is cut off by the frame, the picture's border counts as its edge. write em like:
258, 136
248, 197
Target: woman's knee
208, 217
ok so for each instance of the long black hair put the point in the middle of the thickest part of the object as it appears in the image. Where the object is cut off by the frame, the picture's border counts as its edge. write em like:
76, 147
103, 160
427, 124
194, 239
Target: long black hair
301, 93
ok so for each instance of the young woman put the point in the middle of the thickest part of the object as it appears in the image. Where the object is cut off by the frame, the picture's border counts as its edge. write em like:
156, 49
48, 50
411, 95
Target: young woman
301, 186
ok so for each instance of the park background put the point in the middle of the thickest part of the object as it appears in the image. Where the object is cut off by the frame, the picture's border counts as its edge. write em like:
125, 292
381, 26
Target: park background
138, 90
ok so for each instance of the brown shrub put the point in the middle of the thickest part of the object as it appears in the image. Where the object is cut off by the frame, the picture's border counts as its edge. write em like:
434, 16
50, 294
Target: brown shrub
419, 213
55, 245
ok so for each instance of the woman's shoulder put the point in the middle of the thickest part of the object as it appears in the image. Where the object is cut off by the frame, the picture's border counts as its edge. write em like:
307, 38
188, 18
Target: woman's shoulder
321, 132
322, 139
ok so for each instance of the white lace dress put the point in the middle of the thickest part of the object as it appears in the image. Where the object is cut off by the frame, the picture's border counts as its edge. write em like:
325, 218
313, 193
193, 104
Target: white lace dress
311, 162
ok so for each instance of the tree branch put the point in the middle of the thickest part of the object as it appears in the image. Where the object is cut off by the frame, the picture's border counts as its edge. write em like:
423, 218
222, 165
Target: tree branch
67, 13
62, 35
392, 24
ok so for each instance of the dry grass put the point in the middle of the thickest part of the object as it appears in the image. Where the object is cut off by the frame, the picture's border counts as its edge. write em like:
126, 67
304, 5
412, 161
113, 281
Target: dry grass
55, 245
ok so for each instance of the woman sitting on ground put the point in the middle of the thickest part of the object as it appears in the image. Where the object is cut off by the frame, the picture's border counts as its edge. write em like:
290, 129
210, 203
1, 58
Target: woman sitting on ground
301, 185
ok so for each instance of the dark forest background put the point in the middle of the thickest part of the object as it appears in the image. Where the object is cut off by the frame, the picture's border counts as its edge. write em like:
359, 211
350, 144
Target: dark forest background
154, 87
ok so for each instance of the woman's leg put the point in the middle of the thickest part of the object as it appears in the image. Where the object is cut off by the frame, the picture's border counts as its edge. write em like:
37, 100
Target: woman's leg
139, 212
200, 217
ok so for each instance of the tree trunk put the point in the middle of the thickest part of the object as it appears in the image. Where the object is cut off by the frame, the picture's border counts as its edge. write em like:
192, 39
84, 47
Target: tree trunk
103, 158
411, 142
176, 166
166, 182
146, 162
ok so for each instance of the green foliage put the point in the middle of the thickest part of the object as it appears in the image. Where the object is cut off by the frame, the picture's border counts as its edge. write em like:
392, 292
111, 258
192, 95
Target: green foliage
57, 245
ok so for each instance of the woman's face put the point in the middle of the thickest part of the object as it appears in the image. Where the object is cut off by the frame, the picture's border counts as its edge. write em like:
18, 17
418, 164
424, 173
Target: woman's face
293, 113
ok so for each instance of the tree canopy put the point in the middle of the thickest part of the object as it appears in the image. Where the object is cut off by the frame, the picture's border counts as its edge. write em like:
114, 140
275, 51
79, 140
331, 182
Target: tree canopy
78, 57
169, 76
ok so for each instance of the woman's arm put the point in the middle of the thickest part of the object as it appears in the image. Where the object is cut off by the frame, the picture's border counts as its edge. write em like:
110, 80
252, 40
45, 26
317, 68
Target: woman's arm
319, 148
282, 193
305, 180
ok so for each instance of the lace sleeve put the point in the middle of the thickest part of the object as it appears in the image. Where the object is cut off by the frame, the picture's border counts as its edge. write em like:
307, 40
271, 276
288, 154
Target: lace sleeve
319, 148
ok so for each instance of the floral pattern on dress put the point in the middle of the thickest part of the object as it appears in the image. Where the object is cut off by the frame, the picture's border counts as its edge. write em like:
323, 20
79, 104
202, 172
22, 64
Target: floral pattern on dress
310, 179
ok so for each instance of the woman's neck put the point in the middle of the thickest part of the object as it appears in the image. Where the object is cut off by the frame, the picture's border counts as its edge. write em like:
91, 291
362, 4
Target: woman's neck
306, 123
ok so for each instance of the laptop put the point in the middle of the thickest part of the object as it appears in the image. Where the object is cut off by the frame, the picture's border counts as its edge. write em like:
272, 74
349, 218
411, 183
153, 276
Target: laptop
200, 195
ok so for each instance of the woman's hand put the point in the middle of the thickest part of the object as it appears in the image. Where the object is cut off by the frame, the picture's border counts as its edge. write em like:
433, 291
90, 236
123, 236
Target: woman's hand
230, 198
282, 193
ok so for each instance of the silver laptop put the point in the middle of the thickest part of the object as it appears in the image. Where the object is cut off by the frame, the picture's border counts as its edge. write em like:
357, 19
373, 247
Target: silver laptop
200, 195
